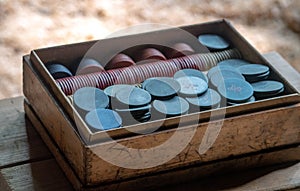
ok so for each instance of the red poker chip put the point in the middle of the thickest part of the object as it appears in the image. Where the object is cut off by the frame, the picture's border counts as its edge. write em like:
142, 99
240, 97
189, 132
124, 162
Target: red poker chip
180, 50
88, 65
149, 55
119, 61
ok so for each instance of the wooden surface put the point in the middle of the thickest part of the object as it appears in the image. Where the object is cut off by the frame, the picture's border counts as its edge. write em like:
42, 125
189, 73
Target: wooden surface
26, 163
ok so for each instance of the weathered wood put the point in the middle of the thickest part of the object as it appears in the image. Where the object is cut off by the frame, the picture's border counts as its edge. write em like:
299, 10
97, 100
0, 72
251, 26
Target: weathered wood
55, 121
283, 179
291, 75
271, 178
42, 175
18, 143
237, 136
59, 156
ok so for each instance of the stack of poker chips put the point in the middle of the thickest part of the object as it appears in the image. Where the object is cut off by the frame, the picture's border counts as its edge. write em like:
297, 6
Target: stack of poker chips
194, 88
138, 73
213, 42
58, 70
132, 103
239, 81
165, 100
92, 105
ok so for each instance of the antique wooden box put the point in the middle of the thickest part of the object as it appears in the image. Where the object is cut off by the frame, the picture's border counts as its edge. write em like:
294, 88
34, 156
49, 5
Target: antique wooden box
251, 134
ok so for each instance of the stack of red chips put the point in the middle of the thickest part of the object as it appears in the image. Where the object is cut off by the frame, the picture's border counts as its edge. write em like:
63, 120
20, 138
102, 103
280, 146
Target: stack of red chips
138, 73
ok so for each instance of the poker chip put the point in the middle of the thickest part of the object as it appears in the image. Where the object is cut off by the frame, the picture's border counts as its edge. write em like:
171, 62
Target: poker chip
213, 41
235, 90
180, 49
87, 66
58, 70
250, 100
191, 86
161, 88
113, 89
254, 72
149, 55
217, 78
267, 88
219, 69
253, 69
260, 77
119, 61
89, 98
133, 97
190, 72
103, 119
210, 99
235, 63
172, 107
132, 116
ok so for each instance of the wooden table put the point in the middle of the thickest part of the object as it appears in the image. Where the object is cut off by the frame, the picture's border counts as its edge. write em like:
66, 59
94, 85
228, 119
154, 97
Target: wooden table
27, 164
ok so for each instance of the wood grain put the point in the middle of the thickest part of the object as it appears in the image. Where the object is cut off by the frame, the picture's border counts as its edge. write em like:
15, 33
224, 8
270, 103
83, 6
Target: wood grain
291, 75
55, 121
19, 141
43, 175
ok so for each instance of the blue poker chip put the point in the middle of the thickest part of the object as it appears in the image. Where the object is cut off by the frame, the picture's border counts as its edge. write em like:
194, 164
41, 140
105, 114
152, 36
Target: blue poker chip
173, 107
191, 86
218, 78
235, 63
253, 69
103, 119
250, 100
257, 78
113, 89
190, 72
218, 69
213, 41
235, 90
267, 88
133, 97
89, 98
135, 115
161, 87
58, 70
210, 99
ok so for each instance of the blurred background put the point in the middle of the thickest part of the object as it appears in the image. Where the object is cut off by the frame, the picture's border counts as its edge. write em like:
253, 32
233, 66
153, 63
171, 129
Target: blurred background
269, 25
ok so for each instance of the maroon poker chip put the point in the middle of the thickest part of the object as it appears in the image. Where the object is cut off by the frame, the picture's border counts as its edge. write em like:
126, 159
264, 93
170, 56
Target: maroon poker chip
149, 55
119, 61
88, 65
181, 49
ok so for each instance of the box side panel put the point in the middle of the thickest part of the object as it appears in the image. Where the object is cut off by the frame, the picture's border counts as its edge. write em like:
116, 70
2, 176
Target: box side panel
59, 156
284, 69
54, 119
191, 177
211, 141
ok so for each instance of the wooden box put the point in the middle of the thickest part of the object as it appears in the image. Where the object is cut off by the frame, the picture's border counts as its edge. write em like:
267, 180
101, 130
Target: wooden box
245, 135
